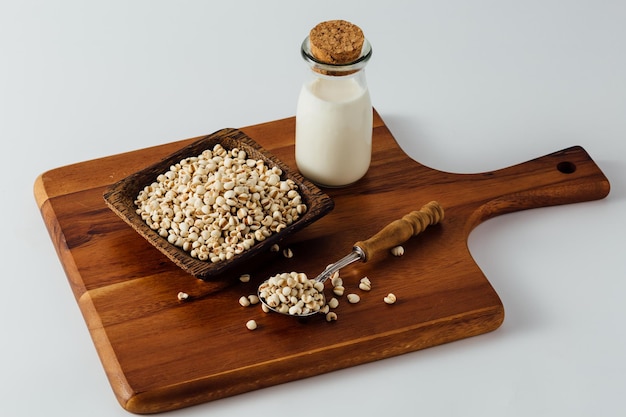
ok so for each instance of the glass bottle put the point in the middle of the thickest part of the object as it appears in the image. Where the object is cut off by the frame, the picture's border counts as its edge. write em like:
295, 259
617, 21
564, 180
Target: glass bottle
334, 121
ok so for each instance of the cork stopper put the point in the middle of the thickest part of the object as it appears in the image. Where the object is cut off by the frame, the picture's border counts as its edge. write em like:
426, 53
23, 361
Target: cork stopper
336, 42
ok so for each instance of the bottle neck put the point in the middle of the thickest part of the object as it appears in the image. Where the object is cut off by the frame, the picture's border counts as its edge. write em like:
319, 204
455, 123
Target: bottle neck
336, 70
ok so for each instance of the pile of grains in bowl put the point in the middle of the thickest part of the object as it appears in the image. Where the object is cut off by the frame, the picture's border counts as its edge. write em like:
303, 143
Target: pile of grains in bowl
220, 203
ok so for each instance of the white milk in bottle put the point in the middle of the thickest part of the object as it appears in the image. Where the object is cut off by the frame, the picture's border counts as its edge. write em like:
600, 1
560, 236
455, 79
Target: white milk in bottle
334, 116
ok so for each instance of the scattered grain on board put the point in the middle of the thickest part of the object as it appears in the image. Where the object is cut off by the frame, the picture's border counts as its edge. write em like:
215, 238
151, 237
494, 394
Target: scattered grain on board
390, 298
353, 298
365, 284
397, 251
339, 290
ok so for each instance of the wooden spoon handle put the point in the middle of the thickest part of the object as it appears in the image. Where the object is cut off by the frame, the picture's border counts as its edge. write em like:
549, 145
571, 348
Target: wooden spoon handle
401, 230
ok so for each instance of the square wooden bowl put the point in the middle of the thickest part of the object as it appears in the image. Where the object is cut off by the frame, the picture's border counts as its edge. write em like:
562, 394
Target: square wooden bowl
121, 196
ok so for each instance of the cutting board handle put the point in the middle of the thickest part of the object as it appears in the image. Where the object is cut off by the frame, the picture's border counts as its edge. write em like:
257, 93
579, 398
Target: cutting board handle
563, 177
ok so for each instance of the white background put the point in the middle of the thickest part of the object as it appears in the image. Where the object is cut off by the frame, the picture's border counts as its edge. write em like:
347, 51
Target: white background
464, 86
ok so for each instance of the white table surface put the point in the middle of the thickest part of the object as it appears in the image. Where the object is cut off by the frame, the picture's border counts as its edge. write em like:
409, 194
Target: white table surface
464, 86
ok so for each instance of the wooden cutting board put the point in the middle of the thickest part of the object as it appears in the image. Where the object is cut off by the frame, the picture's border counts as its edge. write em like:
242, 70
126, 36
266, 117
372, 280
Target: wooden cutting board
161, 354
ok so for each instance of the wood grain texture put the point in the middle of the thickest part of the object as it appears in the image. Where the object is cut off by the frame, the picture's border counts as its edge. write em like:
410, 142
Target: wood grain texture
162, 354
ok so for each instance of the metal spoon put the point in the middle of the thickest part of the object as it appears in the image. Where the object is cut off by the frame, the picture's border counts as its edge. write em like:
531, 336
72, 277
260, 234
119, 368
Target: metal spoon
394, 234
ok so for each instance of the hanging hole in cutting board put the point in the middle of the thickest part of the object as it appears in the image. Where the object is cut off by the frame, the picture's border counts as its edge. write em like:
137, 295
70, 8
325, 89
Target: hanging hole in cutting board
566, 167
